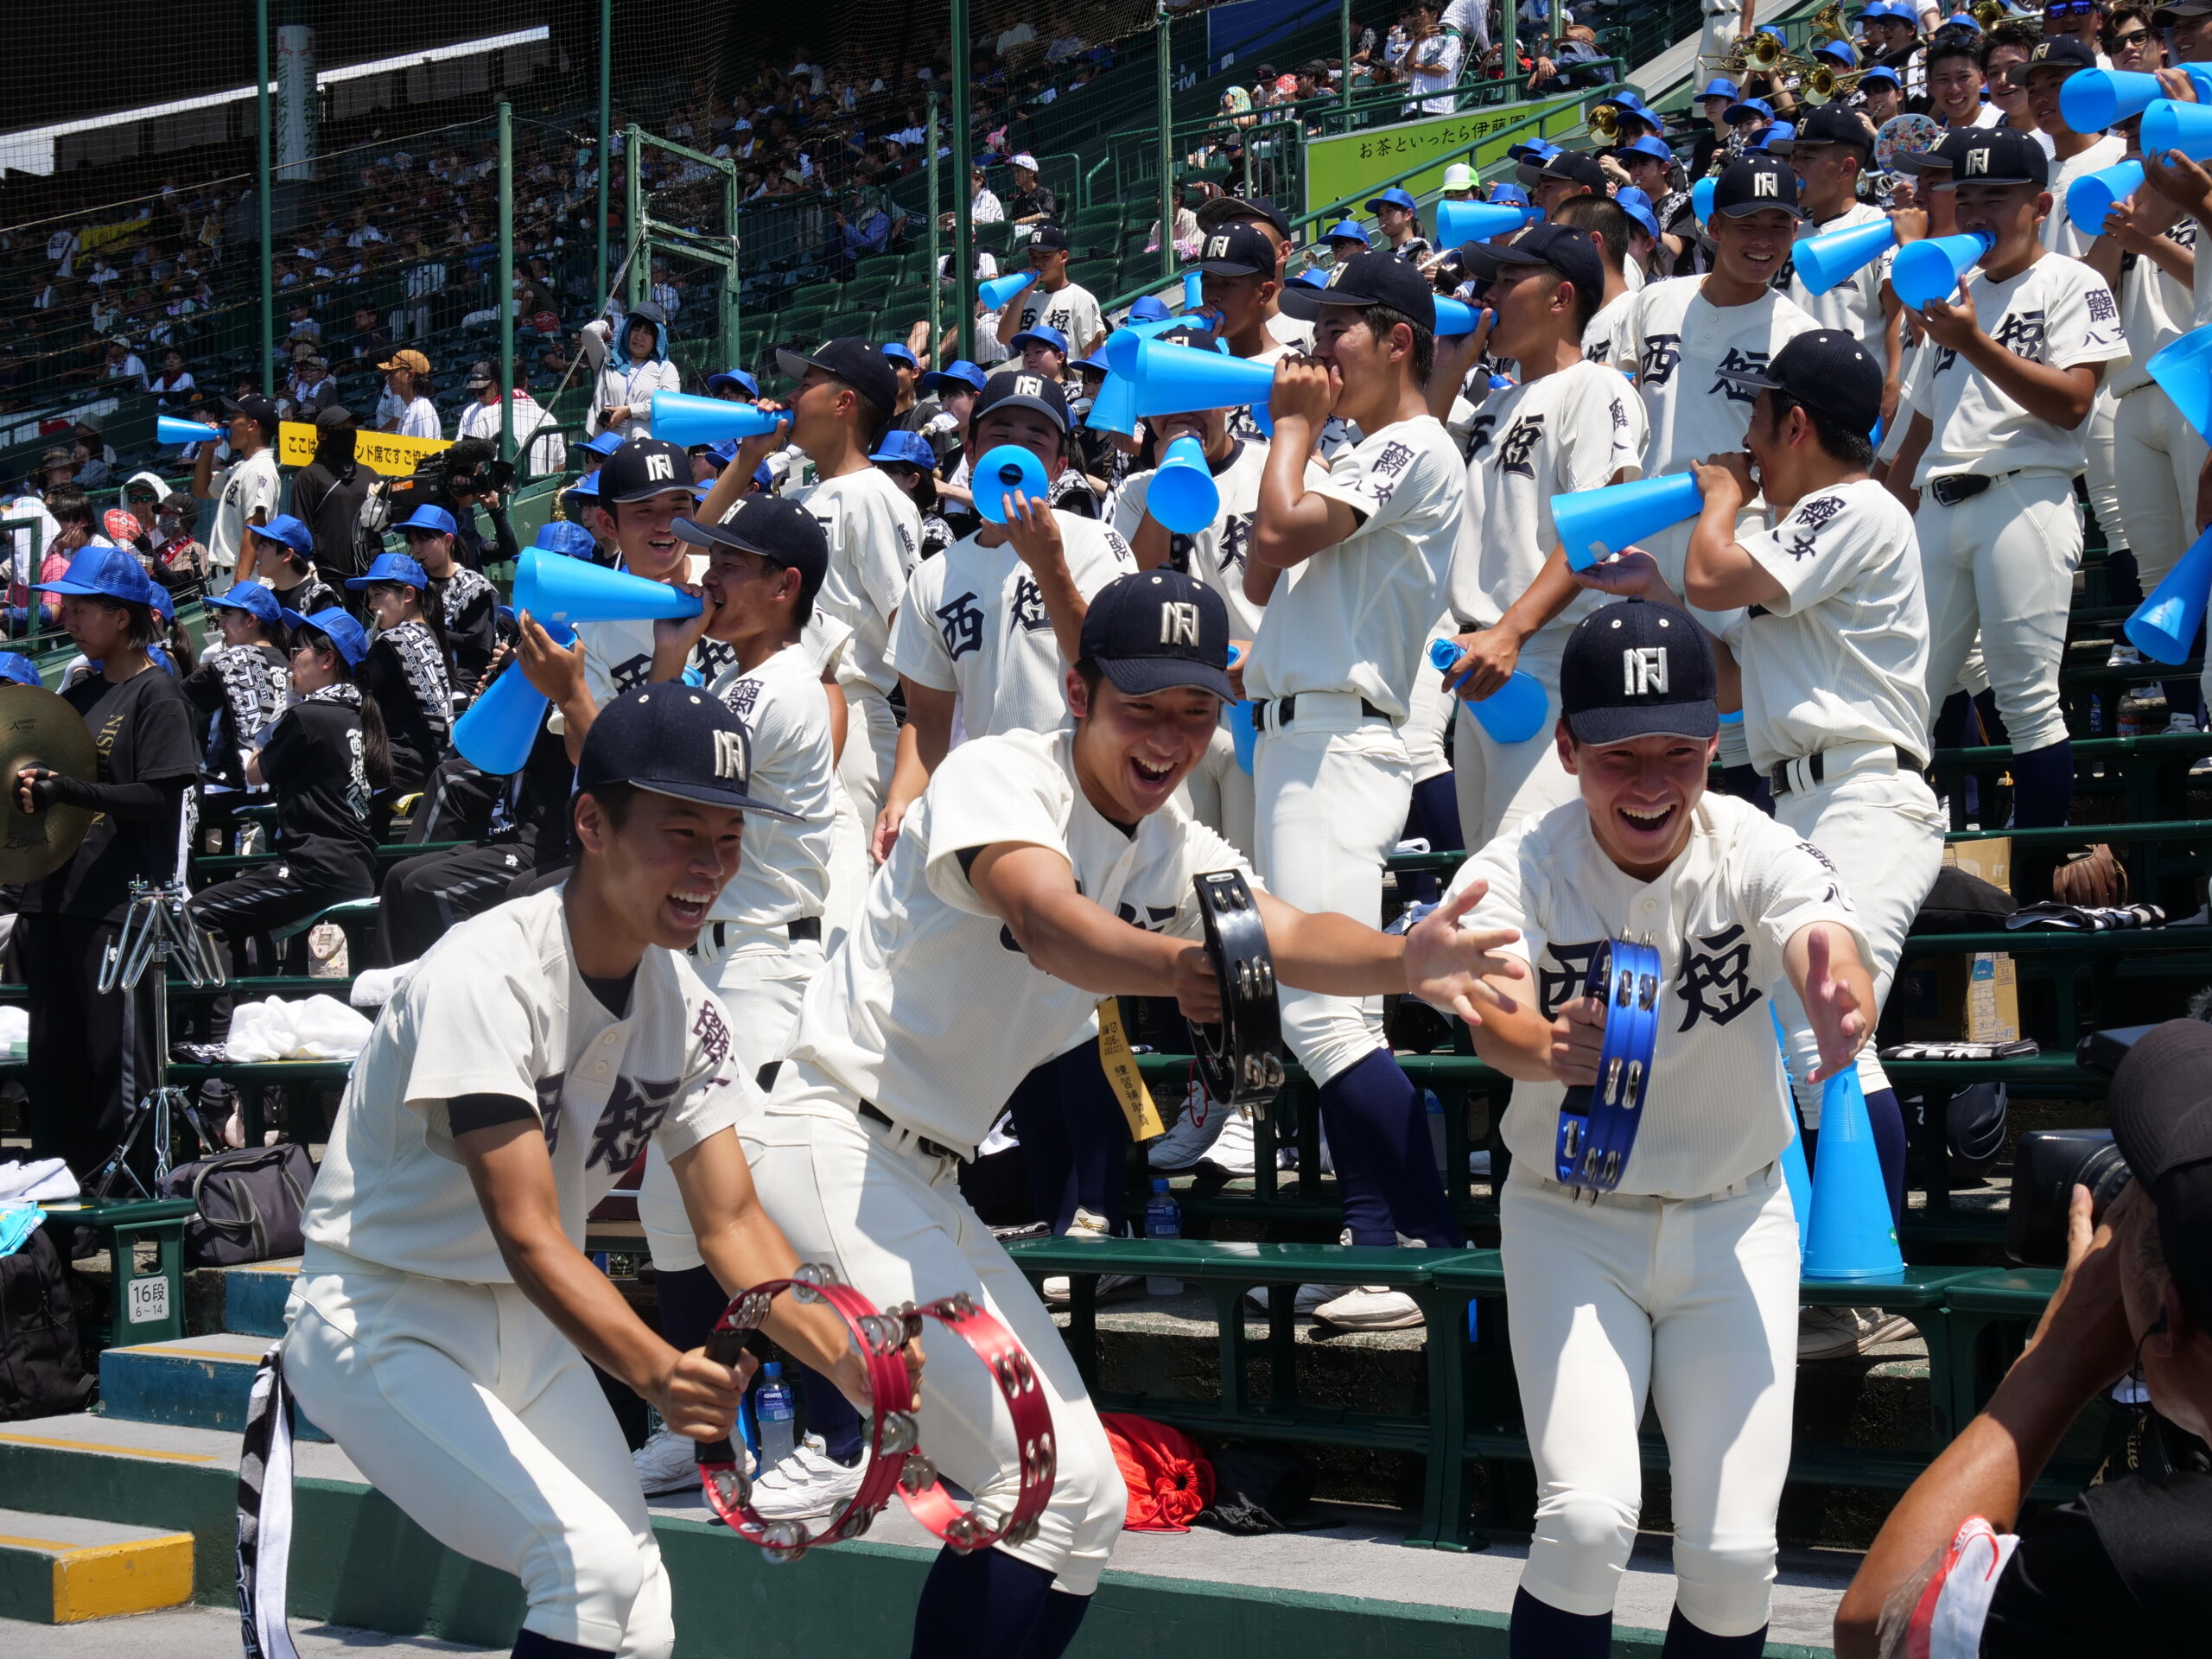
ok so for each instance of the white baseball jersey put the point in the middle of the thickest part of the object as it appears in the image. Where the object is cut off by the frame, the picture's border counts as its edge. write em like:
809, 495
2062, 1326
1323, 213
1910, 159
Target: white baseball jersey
974, 622
1844, 658
1215, 555
1853, 305
941, 1048
2155, 309
1685, 352
251, 485
875, 542
785, 871
1573, 429
1287, 330
1354, 617
2058, 311
1601, 340
1720, 916
1072, 309
498, 1007
619, 655
2060, 233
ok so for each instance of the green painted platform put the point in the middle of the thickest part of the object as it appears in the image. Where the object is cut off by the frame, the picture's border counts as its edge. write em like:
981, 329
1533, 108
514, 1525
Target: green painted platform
62, 1569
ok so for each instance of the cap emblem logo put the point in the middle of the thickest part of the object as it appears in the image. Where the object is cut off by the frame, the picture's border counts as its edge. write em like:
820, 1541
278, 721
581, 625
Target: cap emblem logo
729, 754
1028, 385
1179, 623
1217, 247
659, 469
1644, 671
1977, 162
1766, 184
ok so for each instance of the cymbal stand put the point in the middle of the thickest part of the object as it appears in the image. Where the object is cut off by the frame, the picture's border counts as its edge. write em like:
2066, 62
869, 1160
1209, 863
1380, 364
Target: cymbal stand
157, 928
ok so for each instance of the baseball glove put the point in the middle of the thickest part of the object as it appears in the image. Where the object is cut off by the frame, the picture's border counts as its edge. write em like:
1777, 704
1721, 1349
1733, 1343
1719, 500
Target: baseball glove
2096, 877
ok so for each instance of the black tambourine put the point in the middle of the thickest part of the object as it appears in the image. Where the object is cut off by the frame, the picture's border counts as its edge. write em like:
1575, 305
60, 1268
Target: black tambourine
1597, 1126
1240, 1060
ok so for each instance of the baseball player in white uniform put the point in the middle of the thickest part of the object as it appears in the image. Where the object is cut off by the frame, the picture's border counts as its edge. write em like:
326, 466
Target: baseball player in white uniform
1054, 299
445, 1309
1040, 872
1351, 571
2000, 403
1680, 1286
1570, 424
1831, 153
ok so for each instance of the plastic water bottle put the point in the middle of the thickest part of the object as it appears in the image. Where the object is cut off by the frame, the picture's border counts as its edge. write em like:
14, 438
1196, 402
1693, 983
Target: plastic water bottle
1163, 1218
771, 1409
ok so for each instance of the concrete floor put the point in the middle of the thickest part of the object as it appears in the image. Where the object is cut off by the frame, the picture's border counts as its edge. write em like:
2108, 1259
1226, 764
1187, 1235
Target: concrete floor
199, 1633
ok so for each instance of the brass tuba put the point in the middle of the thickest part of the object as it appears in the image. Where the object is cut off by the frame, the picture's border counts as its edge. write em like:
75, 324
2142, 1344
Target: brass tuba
1989, 12
1828, 24
1604, 123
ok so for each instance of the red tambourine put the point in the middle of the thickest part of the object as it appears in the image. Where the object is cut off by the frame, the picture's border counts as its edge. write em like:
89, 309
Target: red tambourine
896, 1462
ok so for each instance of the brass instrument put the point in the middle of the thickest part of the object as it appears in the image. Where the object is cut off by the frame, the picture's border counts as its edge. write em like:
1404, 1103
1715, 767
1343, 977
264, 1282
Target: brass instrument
1828, 24
1989, 12
1767, 50
1604, 122
1824, 83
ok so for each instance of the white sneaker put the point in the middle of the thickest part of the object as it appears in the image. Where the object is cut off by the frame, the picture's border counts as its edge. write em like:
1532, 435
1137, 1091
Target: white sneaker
1309, 1296
2124, 656
1840, 1333
1371, 1308
1233, 1151
667, 1463
1193, 1132
2181, 725
807, 1486
1088, 1226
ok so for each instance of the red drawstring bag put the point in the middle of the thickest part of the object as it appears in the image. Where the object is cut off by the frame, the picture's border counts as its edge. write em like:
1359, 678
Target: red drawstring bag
1168, 1478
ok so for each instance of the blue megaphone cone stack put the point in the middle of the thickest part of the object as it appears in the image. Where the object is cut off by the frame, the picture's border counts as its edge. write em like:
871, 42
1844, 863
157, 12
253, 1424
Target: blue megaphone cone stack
999, 473
680, 418
2183, 369
1115, 408
2185, 127
495, 732
1183, 495
1931, 270
1512, 713
1852, 1235
1178, 380
1194, 290
1458, 222
2090, 197
1823, 261
552, 589
2165, 625
1594, 524
997, 294
1121, 345
175, 429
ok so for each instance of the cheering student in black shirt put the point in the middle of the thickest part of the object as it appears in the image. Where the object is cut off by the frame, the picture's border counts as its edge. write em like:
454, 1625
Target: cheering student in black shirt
323, 760
283, 557
406, 669
243, 683
92, 1055
466, 604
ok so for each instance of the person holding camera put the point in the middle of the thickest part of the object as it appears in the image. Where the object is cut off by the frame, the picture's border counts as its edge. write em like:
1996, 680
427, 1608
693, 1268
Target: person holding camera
2119, 1568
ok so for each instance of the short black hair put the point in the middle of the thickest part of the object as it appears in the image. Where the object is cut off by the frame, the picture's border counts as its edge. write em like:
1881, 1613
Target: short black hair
1382, 319
870, 420
69, 505
1955, 40
1586, 305
2018, 32
1842, 444
616, 798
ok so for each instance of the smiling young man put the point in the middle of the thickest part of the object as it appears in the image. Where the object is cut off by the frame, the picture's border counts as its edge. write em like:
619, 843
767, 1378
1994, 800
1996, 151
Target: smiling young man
444, 1313
2001, 399
1681, 1285
1831, 153
1040, 872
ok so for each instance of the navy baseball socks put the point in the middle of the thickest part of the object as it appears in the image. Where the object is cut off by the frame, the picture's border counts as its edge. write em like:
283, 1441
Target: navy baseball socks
530, 1645
1540, 1631
991, 1606
1387, 1177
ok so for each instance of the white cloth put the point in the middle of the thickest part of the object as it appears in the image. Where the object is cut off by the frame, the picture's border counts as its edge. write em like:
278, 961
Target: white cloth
1218, 793
312, 1028
418, 419
1683, 351
1602, 340
1720, 915
1692, 1306
631, 385
784, 874
2155, 308
875, 542
1497, 785
2060, 233
1070, 307
253, 485
2156, 458
482, 421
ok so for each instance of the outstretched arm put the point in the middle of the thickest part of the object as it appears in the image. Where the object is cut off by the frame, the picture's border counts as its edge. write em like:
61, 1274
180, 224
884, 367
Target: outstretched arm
1822, 962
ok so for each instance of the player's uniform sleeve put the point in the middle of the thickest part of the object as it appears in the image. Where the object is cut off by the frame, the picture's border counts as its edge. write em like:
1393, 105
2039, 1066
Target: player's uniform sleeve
2082, 323
263, 487
1392, 483
1786, 883
886, 553
1604, 434
918, 649
1826, 541
1095, 556
1128, 505
717, 1093
1512, 864
987, 792
474, 1034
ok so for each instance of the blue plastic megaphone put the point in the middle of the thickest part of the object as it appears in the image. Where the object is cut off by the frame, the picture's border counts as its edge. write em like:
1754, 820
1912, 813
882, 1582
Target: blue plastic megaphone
495, 732
680, 418
1701, 198
999, 473
175, 429
1183, 495
2185, 127
999, 292
2093, 100
1178, 379
2184, 369
1456, 319
2165, 625
1244, 732
1512, 713
2090, 197
1823, 261
1852, 1234
1121, 345
553, 588
1115, 408
1194, 290
1930, 270
1458, 222
1594, 524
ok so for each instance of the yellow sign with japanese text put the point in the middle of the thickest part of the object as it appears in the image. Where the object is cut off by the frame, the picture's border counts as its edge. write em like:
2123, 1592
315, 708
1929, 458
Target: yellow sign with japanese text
1345, 166
381, 452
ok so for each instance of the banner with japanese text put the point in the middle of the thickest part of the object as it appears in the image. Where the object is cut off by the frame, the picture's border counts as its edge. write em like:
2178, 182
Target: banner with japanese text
1342, 167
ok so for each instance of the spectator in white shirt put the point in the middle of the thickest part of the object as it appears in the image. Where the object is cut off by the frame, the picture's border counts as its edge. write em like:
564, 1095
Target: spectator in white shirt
480, 419
983, 205
407, 412
1016, 34
123, 364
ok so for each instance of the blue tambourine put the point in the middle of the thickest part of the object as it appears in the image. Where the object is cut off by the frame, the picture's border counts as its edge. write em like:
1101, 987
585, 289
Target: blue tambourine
1596, 1126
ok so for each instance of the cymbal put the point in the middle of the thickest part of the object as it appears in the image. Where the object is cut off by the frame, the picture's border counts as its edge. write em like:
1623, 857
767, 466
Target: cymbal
39, 728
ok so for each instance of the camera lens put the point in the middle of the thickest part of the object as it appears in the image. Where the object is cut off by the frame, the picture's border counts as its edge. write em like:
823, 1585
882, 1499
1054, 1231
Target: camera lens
2105, 1172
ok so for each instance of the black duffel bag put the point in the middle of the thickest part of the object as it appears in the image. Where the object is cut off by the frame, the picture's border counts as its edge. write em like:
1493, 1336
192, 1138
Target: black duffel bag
250, 1204
42, 1366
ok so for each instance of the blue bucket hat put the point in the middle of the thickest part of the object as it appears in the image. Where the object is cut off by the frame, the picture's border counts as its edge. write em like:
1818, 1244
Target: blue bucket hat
954, 375
251, 598
1043, 334
291, 532
586, 487
1510, 193
390, 567
1538, 151
1637, 205
1645, 144
1880, 71
429, 517
104, 573
559, 536
1346, 230
15, 666
346, 636
1749, 106
906, 449
728, 377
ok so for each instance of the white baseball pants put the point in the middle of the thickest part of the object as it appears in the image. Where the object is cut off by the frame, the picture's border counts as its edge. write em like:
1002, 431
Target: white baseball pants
864, 769
1692, 1302
1500, 784
760, 973
1883, 833
2105, 498
464, 1406
1724, 19
2003, 562
1332, 790
1219, 792
891, 1219
2157, 455
1430, 713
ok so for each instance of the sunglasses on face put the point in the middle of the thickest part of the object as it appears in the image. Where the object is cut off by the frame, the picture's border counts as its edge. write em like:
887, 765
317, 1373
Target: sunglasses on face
2069, 7
2134, 38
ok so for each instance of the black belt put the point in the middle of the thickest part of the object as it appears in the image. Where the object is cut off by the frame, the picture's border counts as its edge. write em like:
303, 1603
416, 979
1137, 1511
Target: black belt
1289, 707
1954, 487
806, 927
875, 1114
1816, 767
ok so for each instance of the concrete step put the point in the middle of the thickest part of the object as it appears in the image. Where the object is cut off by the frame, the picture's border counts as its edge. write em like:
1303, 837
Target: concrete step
254, 1296
58, 1569
194, 1382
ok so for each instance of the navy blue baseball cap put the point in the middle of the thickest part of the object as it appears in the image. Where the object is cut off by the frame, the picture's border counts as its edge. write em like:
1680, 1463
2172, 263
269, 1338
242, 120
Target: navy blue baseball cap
394, 568
1239, 250
953, 376
859, 363
1157, 631
674, 740
15, 666
1751, 184
736, 378
1042, 335
436, 520
1828, 370
1633, 669
347, 637
103, 572
569, 541
905, 450
644, 468
1023, 390
1371, 278
1394, 197
1996, 155
778, 530
1567, 250
251, 598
